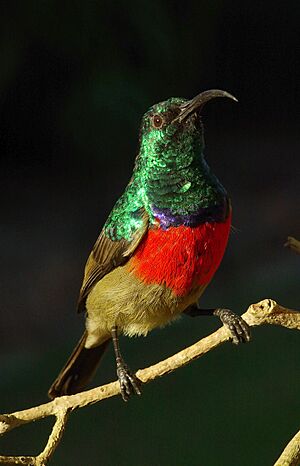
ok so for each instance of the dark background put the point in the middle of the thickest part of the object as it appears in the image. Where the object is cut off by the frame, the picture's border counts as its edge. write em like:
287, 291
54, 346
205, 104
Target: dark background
75, 79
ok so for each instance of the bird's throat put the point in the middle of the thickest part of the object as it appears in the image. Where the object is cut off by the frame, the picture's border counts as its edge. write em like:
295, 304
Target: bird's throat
186, 195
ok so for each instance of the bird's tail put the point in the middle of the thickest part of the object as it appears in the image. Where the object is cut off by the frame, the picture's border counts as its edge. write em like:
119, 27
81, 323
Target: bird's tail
79, 369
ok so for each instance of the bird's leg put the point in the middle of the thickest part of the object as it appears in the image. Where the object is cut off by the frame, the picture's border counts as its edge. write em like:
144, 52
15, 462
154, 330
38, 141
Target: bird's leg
239, 329
128, 381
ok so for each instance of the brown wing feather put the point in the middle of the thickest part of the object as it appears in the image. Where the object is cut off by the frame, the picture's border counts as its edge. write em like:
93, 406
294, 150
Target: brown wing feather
106, 255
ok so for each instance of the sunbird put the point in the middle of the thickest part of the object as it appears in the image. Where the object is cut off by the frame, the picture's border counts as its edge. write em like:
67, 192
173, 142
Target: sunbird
159, 248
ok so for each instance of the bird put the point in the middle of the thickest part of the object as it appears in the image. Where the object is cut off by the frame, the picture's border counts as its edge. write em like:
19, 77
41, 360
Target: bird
159, 247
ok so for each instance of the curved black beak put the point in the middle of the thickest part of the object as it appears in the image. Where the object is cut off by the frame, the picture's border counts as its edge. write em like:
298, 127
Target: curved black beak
196, 104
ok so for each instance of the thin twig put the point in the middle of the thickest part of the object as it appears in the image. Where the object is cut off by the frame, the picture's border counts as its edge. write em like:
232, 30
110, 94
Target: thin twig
54, 438
264, 312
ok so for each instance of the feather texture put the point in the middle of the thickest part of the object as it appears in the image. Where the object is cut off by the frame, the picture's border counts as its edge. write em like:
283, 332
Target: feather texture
106, 255
181, 257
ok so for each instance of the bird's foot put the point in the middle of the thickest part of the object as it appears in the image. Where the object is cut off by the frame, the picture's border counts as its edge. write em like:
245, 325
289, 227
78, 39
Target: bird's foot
240, 330
129, 383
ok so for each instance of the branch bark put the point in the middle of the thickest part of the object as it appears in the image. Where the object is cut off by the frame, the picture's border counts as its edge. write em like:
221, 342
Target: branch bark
291, 454
264, 312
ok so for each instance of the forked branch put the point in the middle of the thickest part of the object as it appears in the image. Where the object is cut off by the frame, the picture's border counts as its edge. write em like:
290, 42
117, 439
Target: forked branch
264, 312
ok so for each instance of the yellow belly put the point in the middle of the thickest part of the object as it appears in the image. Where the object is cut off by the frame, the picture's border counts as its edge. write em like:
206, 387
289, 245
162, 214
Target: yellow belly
123, 300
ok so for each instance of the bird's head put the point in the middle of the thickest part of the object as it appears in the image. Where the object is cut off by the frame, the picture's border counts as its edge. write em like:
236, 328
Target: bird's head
170, 168
171, 134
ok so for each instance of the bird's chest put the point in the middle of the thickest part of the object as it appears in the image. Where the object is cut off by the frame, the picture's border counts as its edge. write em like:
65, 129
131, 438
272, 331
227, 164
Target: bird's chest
181, 257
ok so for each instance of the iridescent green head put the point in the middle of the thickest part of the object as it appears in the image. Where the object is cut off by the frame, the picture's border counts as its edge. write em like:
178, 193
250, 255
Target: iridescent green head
165, 142
170, 159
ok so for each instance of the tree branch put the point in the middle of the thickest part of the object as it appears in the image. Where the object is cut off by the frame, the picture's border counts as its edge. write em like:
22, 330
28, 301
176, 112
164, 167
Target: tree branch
264, 312
291, 454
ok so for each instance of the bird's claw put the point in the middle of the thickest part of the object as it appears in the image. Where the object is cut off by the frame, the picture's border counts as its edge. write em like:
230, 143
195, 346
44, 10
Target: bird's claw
240, 330
129, 383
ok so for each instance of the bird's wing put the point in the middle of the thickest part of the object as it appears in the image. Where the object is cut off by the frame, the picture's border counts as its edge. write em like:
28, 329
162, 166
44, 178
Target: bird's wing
106, 255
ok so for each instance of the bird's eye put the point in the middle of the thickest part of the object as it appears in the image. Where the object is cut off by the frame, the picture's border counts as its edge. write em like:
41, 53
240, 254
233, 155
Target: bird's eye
157, 121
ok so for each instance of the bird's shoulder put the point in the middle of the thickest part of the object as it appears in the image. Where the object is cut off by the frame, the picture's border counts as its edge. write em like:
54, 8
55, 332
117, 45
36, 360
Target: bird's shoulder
117, 241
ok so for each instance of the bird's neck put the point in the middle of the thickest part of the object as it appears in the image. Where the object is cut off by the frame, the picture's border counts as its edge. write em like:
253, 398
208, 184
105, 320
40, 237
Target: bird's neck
185, 195
189, 195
